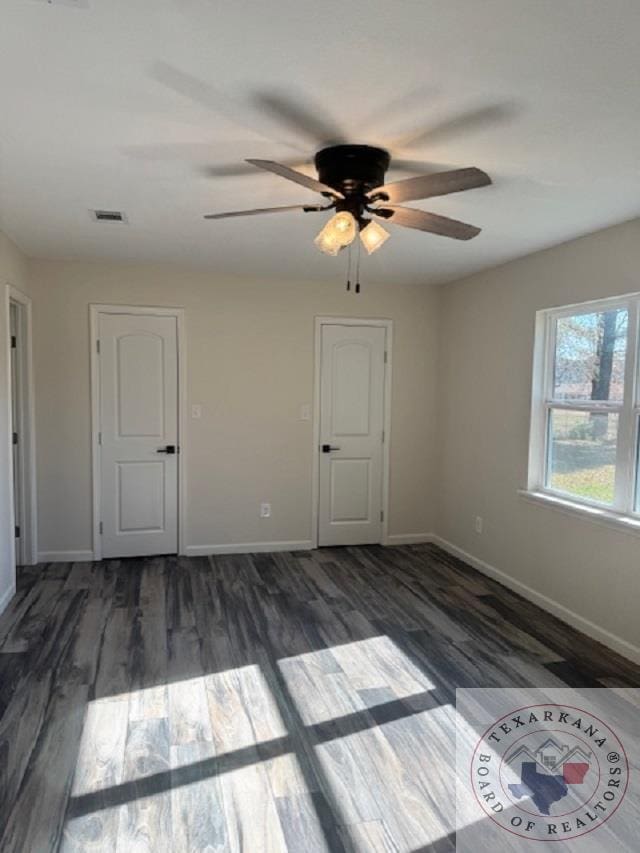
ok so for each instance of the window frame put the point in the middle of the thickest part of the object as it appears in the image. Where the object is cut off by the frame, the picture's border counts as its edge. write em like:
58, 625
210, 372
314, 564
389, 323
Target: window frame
626, 501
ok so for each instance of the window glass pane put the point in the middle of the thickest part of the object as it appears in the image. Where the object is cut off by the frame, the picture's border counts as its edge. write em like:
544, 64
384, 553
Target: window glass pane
582, 454
590, 355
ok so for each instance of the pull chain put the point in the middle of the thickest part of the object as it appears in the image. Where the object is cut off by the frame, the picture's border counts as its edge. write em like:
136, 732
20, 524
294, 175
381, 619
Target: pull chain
349, 268
357, 288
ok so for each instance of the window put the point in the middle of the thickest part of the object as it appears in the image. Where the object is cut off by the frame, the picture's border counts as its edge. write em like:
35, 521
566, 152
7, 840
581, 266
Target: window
585, 416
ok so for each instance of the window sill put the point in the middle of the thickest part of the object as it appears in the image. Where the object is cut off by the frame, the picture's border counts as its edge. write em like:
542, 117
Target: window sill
584, 511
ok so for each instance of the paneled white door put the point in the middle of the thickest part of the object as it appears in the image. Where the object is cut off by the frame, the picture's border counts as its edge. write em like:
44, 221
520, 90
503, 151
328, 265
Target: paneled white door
352, 373
138, 364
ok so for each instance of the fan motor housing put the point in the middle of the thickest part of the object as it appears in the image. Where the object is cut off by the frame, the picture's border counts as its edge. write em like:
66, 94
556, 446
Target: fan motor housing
352, 169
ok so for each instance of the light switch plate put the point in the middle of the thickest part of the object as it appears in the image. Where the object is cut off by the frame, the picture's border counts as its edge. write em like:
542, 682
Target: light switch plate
196, 410
305, 412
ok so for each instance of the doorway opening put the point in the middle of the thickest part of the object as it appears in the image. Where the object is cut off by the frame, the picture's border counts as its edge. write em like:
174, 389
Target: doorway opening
21, 398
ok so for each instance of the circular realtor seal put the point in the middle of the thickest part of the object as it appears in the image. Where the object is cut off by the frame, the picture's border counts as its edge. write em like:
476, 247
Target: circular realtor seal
549, 772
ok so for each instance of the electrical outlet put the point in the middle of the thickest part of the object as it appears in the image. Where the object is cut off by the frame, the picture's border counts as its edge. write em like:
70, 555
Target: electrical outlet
265, 510
478, 524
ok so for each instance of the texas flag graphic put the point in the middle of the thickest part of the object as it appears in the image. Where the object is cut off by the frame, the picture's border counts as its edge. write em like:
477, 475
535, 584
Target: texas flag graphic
547, 774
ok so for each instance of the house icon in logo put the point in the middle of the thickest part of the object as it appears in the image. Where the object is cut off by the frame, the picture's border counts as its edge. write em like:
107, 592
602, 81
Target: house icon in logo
551, 756
551, 753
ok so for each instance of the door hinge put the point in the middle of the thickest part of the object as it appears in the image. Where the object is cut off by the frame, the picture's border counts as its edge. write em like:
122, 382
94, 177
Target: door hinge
14, 342
385, 356
99, 438
98, 347
381, 515
15, 438
383, 436
100, 528
17, 532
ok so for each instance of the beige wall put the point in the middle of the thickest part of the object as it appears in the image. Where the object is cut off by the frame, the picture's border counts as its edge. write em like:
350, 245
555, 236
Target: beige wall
13, 271
250, 364
485, 361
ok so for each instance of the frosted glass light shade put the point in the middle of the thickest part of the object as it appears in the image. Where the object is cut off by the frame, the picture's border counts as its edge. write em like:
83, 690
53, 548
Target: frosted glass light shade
344, 227
327, 243
337, 233
372, 236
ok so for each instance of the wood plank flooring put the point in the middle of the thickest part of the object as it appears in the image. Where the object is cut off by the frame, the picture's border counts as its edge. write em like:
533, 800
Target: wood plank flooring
266, 702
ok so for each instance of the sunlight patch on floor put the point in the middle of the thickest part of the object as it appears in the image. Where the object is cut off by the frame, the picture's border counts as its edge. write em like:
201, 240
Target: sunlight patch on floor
399, 772
316, 679
158, 751
210, 757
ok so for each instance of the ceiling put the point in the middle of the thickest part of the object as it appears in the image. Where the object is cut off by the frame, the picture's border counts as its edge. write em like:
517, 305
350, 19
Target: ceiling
128, 104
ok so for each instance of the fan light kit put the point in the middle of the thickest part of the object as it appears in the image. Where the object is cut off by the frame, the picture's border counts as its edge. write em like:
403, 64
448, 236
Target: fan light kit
351, 178
340, 231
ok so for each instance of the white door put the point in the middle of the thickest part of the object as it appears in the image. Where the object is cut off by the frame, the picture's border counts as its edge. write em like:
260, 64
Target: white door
351, 434
138, 364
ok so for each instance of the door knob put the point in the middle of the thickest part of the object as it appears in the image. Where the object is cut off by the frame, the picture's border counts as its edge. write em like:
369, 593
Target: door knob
170, 449
327, 448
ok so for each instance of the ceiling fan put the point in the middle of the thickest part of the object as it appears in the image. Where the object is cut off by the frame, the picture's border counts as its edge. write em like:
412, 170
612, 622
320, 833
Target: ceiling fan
351, 178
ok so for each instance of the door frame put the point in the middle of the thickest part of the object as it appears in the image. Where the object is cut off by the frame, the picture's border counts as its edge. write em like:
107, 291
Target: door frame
315, 477
27, 445
179, 313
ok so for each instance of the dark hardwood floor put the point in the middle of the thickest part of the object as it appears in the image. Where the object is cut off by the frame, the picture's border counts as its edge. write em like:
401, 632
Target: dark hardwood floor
276, 702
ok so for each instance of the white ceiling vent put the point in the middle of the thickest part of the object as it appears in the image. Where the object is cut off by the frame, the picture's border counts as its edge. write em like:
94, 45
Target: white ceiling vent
109, 216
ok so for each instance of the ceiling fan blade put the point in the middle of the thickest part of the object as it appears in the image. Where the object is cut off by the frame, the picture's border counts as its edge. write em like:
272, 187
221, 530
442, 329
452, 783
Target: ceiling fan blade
301, 117
431, 222
478, 118
298, 177
308, 208
203, 93
420, 167
427, 186
232, 170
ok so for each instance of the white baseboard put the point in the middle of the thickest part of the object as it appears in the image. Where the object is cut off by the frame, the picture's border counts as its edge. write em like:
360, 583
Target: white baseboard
408, 538
612, 641
65, 556
302, 545
6, 597
247, 548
